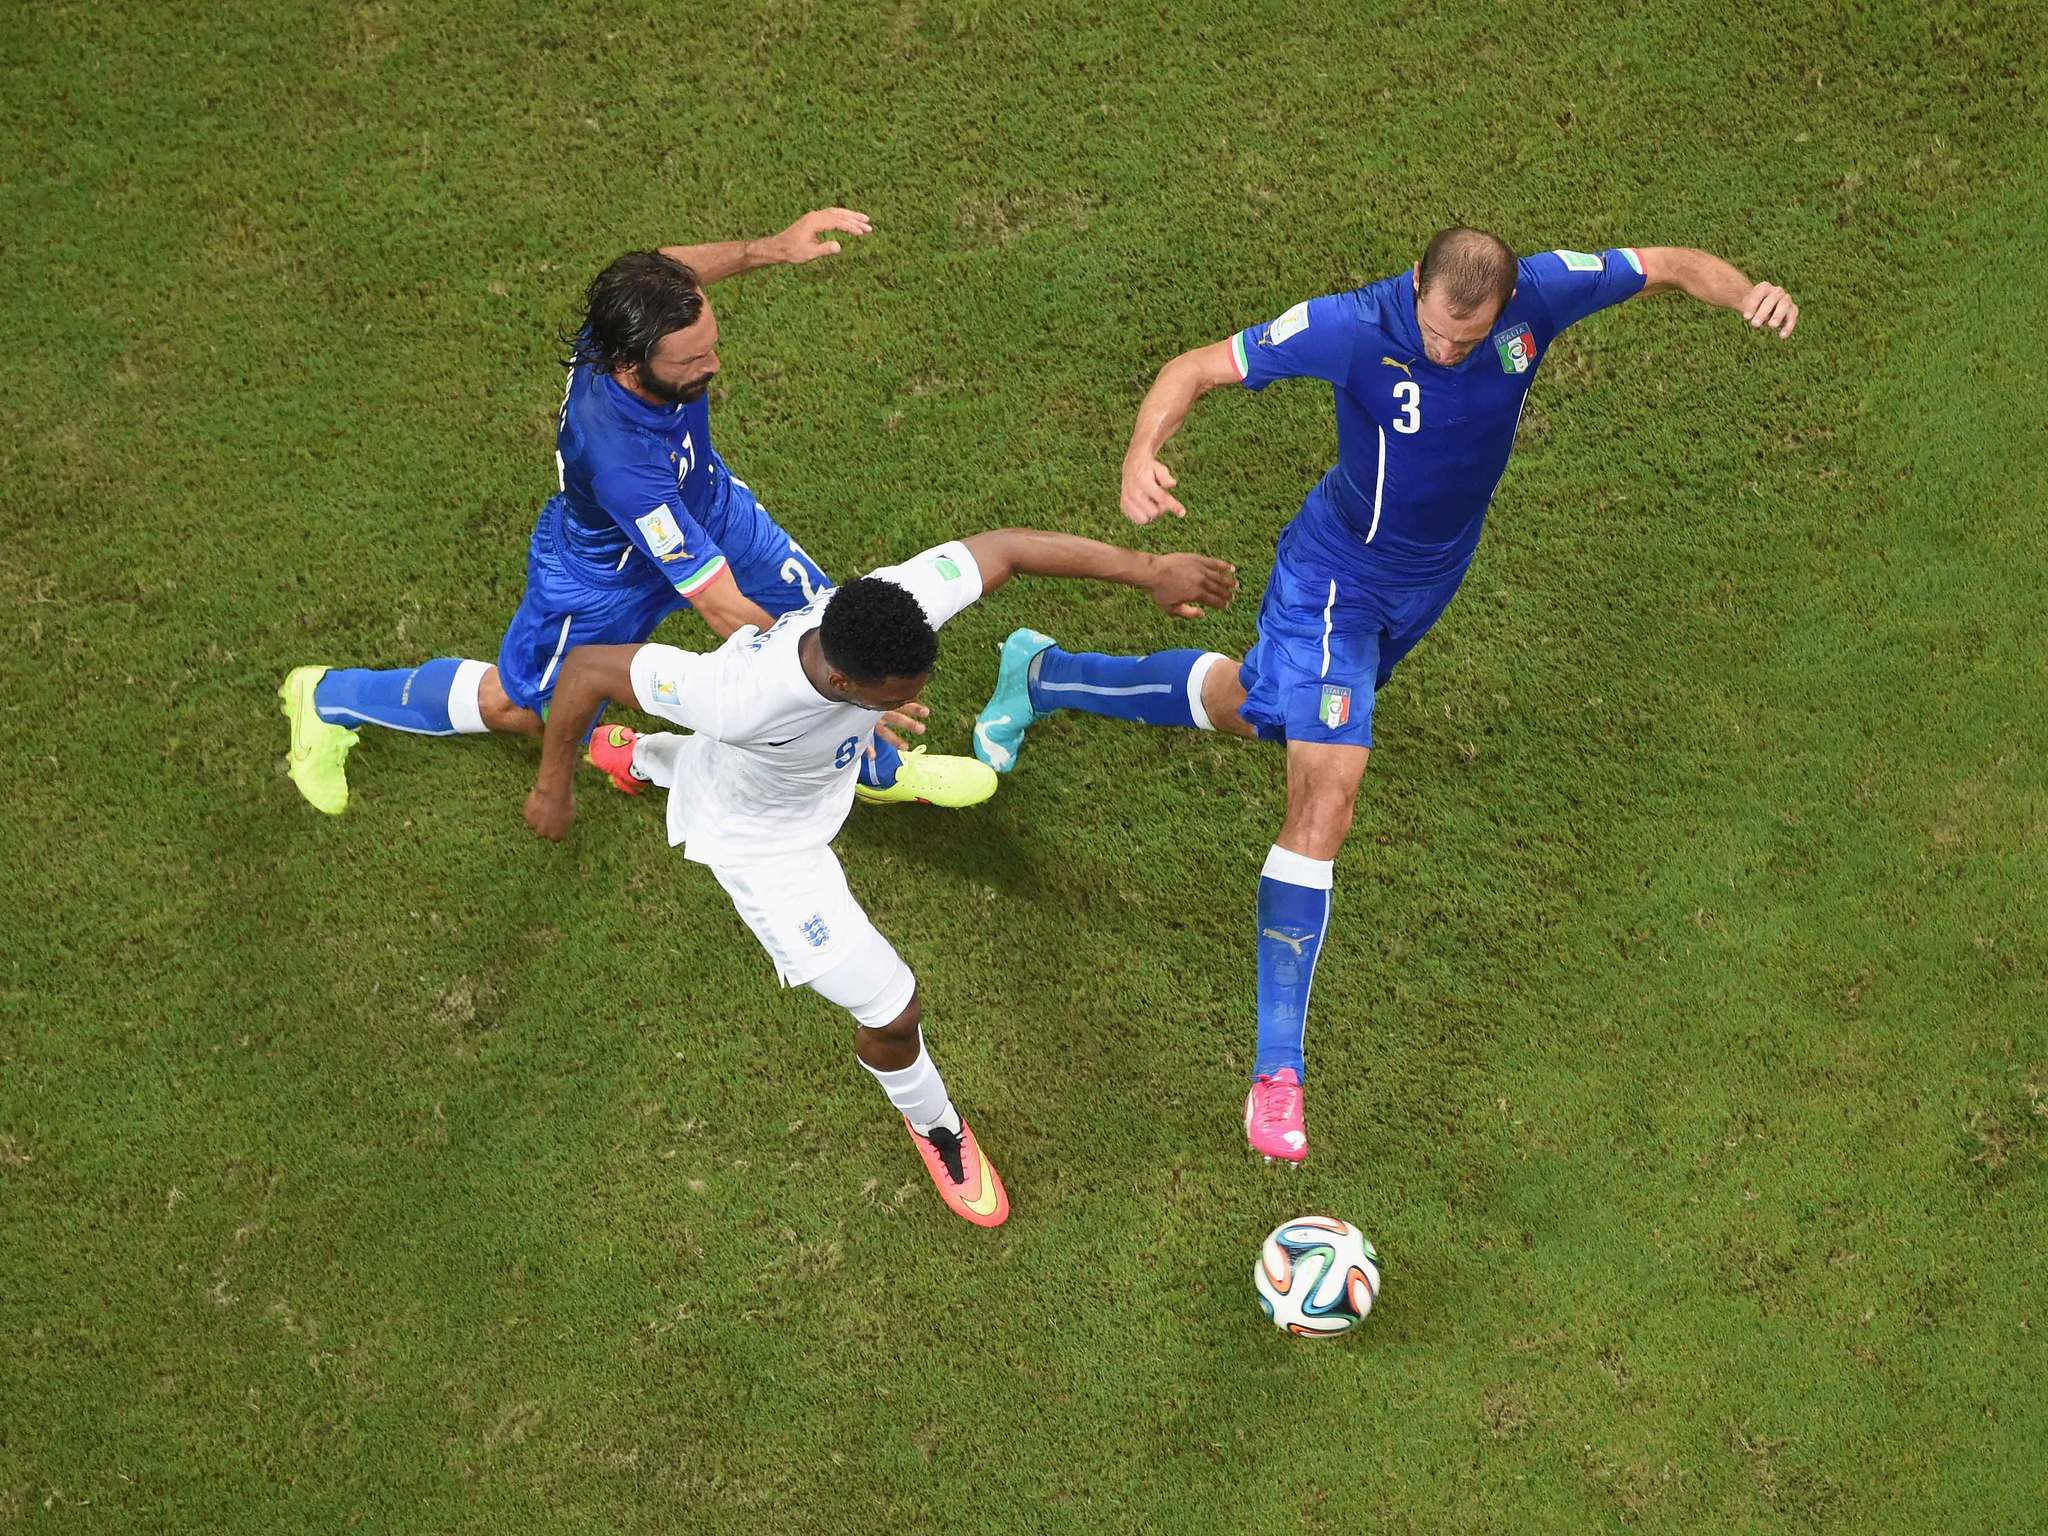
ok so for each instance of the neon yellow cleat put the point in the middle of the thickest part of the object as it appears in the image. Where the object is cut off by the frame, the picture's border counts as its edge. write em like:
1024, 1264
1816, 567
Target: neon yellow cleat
319, 750
954, 782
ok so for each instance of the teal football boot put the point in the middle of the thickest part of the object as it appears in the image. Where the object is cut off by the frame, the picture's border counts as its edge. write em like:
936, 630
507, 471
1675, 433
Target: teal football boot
999, 728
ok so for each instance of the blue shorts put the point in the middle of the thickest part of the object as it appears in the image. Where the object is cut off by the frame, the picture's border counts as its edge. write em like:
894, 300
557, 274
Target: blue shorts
567, 605
1326, 644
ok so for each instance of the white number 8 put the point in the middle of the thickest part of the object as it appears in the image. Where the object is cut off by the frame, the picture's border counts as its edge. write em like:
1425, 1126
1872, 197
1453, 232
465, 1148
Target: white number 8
1409, 393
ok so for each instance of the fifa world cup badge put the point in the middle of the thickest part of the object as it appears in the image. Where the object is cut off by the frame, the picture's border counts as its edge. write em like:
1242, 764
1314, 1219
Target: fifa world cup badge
1335, 709
1517, 349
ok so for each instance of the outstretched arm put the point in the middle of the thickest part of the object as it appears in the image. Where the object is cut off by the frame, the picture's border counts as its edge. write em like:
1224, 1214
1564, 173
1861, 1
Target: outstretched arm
795, 245
1184, 585
1711, 280
590, 674
1147, 482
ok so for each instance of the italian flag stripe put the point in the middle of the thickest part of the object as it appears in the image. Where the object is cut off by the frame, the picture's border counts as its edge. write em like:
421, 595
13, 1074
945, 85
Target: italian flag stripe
692, 585
1237, 356
1633, 258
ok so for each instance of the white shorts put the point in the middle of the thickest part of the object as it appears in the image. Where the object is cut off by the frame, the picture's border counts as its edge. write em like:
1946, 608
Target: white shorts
800, 908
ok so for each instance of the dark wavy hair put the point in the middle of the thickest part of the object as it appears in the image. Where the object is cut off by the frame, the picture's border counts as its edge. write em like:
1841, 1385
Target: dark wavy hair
874, 630
1475, 269
631, 305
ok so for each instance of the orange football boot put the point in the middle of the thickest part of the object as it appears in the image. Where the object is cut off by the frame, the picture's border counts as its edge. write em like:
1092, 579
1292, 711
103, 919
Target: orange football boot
966, 1179
610, 751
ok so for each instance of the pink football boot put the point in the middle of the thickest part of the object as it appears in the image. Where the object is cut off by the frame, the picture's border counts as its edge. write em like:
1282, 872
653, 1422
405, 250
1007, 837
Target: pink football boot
1273, 1121
966, 1179
611, 752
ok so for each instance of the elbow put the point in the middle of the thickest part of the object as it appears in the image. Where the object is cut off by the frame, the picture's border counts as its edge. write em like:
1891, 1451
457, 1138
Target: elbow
1672, 268
722, 608
1188, 372
1197, 372
995, 554
579, 666
574, 680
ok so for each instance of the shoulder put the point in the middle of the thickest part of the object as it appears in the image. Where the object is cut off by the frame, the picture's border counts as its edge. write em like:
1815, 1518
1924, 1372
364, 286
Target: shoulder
1548, 268
1377, 304
944, 579
628, 430
627, 476
586, 403
1356, 309
1326, 321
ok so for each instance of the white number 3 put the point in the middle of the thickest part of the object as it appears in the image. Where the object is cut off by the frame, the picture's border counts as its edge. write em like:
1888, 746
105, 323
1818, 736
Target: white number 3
1409, 393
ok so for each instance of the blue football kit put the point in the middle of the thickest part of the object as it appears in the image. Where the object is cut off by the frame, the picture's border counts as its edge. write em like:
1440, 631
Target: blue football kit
1360, 574
646, 517
1380, 545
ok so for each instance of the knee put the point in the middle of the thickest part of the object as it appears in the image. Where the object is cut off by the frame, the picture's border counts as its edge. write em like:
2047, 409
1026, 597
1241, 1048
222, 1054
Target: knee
901, 1030
1223, 696
1319, 819
892, 1046
499, 713
1331, 818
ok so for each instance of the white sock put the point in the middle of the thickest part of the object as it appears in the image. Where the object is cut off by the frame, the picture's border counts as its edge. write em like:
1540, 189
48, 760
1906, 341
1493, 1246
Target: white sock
654, 757
465, 711
1197, 677
919, 1093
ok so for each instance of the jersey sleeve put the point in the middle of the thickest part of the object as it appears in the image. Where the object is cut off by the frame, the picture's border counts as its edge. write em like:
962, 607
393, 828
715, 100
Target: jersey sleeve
649, 510
1575, 284
1314, 339
944, 580
679, 685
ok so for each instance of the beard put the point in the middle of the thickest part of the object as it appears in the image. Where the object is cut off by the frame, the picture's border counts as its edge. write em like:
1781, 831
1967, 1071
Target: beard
685, 393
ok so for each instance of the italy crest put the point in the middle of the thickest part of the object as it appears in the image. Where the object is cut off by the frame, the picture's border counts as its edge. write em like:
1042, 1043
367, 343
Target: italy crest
1517, 349
1335, 709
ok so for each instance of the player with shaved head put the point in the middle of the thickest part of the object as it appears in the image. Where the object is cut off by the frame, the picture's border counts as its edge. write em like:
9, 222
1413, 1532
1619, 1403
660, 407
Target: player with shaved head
1431, 370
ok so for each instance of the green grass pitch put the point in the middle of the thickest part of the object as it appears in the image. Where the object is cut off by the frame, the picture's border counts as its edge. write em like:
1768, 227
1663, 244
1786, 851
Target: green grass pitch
1681, 1037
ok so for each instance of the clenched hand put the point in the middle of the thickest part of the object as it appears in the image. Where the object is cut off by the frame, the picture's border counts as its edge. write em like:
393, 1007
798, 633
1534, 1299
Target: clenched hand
1188, 585
1770, 306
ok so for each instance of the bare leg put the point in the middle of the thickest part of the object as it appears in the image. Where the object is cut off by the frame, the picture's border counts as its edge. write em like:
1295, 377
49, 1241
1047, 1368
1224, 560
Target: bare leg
1322, 795
1223, 696
895, 1045
500, 713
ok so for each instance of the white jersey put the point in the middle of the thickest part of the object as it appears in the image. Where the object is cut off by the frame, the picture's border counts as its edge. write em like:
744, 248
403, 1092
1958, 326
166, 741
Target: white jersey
772, 765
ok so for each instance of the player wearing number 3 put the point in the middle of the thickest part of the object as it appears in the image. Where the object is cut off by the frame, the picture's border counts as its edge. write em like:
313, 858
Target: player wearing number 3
1431, 371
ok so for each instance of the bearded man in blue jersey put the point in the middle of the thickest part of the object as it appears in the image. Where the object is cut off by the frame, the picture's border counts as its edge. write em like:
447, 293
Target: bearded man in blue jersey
1431, 370
646, 520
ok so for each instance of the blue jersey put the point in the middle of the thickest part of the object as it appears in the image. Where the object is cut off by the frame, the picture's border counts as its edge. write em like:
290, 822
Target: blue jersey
644, 494
1420, 448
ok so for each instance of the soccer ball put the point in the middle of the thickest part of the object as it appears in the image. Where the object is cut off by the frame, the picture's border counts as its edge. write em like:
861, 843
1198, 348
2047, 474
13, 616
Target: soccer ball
1317, 1275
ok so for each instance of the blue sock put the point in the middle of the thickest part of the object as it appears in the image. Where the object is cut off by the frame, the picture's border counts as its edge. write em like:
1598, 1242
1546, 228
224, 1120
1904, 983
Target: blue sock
436, 698
1153, 689
879, 771
1294, 912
